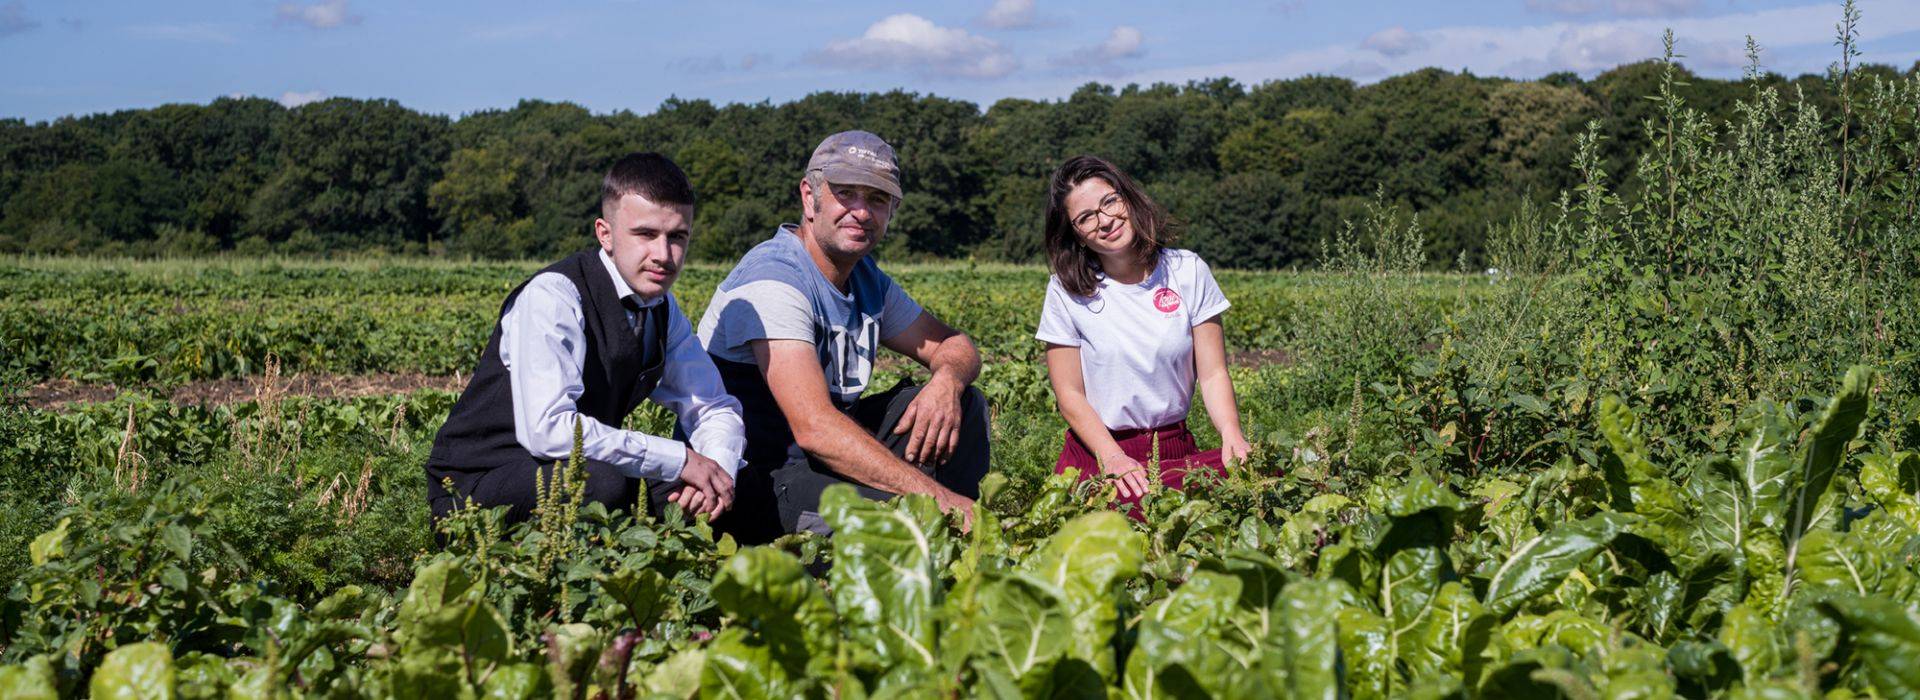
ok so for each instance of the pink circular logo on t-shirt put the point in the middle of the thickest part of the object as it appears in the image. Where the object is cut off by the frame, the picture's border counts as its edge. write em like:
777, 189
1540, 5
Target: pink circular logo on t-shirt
1166, 300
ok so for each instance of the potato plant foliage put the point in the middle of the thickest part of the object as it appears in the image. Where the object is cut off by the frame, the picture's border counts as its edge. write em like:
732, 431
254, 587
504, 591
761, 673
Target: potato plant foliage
1670, 449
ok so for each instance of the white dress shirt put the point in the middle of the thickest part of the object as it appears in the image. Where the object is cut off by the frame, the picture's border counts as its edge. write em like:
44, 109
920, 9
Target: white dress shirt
543, 345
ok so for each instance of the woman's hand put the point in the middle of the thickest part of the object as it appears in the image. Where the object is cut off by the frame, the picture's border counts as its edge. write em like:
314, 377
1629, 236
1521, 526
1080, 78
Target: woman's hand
1127, 474
1234, 450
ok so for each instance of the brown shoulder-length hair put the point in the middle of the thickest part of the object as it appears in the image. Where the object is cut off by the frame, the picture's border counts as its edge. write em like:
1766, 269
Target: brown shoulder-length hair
1078, 268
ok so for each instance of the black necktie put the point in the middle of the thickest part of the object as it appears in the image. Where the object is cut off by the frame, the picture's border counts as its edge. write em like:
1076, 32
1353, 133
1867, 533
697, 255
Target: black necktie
632, 302
642, 331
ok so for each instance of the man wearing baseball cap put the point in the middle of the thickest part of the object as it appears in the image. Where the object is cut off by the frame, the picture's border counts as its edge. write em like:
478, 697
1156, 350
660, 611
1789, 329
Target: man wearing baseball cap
794, 330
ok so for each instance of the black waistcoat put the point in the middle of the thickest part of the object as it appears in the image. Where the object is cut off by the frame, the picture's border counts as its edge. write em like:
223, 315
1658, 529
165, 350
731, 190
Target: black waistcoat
620, 370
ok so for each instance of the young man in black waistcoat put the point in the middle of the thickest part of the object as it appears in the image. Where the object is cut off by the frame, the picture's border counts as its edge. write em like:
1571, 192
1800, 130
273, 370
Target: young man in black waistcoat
588, 338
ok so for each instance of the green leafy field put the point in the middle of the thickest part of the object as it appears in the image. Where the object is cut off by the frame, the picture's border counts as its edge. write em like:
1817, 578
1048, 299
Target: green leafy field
1671, 449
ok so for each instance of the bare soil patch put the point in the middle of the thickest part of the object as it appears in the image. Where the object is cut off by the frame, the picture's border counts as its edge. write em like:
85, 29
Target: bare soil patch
1262, 358
60, 393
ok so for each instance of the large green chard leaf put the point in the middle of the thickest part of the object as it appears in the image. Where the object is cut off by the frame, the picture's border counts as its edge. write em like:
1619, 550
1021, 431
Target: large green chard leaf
1702, 668
771, 592
740, 669
1185, 629
437, 586
1420, 525
1302, 659
1540, 564
1886, 636
1262, 578
1832, 562
1420, 514
1451, 637
1505, 513
1893, 481
1737, 494
1282, 625
517, 681
1864, 560
885, 579
1635, 670
142, 671
1839, 424
1562, 628
1085, 561
1017, 628
1635, 482
1366, 645
30, 680
1750, 637
1408, 584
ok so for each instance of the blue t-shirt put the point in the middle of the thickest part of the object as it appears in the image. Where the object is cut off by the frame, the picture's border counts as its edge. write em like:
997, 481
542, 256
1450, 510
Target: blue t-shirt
776, 292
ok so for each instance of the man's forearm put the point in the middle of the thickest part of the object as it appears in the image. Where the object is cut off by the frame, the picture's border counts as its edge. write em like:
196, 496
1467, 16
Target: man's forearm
851, 452
956, 360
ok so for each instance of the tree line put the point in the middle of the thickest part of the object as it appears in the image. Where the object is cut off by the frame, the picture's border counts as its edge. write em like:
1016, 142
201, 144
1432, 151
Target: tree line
1258, 177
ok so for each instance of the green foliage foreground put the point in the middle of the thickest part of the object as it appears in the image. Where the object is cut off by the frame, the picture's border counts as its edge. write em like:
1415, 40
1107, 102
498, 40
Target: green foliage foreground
1785, 568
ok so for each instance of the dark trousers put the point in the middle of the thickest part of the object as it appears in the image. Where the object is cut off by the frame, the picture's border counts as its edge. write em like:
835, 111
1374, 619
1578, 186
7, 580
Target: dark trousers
796, 484
514, 486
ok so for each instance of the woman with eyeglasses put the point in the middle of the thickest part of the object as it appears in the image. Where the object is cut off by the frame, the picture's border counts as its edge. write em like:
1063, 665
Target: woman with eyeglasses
1131, 325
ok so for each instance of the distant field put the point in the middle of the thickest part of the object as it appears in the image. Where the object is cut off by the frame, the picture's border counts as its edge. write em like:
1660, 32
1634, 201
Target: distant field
171, 322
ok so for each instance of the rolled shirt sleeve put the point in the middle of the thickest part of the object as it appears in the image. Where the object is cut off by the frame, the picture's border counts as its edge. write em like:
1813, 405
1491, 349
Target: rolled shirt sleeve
1208, 300
1056, 325
543, 346
692, 389
899, 312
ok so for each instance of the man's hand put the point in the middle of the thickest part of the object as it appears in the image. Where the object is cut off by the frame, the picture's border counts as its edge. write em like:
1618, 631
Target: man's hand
1128, 475
934, 419
704, 487
951, 502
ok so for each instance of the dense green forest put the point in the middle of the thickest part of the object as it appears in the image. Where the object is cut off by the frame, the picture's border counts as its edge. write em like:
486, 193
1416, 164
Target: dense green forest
1260, 176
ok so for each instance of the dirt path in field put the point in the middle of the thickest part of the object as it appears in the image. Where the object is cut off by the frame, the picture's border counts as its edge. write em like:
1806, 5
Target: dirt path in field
1261, 358
60, 393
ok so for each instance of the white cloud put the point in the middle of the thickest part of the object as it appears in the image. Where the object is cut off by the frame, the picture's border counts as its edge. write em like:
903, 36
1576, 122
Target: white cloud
1009, 14
291, 99
197, 33
325, 14
14, 19
1625, 8
1121, 43
914, 43
1395, 41
1798, 39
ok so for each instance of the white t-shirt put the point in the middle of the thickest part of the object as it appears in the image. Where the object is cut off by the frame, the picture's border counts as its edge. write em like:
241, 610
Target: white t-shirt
1136, 340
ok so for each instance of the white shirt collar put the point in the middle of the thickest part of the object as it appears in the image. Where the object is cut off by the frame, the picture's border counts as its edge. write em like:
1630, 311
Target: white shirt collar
620, 287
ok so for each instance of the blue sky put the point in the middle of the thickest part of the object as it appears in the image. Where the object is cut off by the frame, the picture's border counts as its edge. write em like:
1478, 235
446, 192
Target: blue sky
452, 58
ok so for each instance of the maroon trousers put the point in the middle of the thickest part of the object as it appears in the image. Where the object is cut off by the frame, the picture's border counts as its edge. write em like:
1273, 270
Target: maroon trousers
1178, 455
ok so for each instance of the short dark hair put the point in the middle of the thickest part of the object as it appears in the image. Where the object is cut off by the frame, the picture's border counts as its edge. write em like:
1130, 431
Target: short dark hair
649, 175
1078, 268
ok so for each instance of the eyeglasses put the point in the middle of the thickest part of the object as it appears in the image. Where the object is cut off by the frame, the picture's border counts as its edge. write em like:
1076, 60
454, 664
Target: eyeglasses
1111, 205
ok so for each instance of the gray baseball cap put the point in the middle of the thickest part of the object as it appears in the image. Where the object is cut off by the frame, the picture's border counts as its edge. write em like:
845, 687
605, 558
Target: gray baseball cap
857, 158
